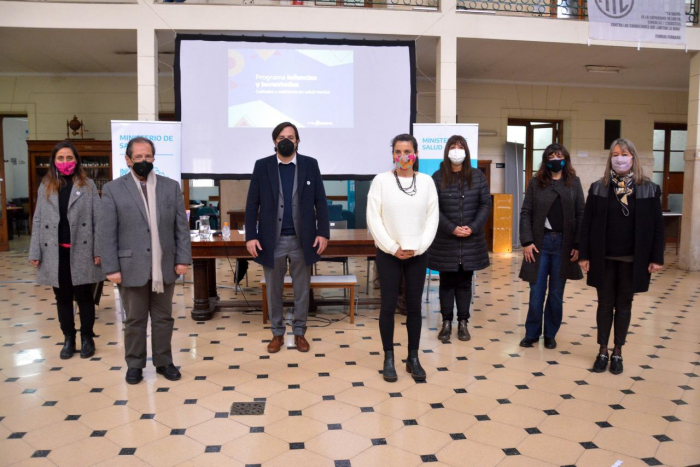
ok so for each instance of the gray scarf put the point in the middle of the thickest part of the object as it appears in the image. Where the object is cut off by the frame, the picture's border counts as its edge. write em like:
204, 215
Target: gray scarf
156, 250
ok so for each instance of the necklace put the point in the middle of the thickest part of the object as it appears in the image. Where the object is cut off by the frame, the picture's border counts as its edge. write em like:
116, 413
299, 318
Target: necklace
411, 190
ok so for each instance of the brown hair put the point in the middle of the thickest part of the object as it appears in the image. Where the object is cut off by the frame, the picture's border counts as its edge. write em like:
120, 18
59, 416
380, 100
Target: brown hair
544, 175
637, 172
465, 174
52, 179
406, 138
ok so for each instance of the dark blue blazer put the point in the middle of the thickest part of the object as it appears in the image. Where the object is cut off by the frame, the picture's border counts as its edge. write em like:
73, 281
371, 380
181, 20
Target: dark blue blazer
263, 199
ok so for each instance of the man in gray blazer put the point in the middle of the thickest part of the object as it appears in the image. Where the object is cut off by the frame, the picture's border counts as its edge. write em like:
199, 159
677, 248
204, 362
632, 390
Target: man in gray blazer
145, 246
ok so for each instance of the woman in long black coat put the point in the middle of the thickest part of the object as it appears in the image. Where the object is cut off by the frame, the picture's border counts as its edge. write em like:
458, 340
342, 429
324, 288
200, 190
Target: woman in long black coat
549, 219
622, 244
459, 247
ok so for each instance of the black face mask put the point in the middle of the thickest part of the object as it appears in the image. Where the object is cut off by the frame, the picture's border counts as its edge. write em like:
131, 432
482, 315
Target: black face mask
556, 166
286, 148
142, 169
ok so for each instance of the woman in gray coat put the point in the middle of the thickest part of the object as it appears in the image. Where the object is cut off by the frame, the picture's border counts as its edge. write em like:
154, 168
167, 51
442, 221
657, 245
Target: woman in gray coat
549, 223
63, 245
459, 247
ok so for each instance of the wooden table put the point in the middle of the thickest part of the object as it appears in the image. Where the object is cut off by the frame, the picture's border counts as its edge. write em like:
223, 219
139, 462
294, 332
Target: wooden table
358, 243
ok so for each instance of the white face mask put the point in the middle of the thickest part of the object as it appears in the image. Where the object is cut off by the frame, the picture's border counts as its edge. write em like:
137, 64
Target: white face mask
457, 156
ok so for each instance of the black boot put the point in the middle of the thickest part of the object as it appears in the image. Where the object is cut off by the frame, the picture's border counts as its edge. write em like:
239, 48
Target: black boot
413, 366
463, 331
616, 364
601, 362
389, 371
446, 331
87, 346
68, 348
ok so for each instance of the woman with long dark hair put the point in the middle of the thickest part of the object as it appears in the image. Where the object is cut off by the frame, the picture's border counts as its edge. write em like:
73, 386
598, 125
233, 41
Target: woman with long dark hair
402, 216
549, 220
63, 245
459, 247
622, 244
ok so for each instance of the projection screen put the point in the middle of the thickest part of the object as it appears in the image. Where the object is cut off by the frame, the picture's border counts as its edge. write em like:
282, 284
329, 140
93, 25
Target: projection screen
348, 99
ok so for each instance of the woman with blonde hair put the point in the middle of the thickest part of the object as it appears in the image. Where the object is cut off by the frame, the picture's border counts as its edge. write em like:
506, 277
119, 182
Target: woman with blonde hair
622, 244
63, 245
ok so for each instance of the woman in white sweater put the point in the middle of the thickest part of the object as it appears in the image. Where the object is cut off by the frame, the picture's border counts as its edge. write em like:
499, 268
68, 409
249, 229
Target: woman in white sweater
402, 215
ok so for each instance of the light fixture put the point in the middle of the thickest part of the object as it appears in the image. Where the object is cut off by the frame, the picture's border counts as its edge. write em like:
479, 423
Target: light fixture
603, 69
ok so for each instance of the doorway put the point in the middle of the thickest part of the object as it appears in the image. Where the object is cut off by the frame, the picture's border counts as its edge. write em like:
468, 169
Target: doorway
535, 136
14, 187
669, 148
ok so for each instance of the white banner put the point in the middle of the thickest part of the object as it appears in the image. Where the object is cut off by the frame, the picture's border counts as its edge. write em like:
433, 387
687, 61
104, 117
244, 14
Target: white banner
637, 20
165, 137
432, 138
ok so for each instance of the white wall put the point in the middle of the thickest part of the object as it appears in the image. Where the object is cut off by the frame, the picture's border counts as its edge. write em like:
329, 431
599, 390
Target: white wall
583, 111
15, 132
50, 101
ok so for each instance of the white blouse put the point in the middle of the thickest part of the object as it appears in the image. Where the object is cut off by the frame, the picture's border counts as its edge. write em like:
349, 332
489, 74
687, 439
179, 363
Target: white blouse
396, 219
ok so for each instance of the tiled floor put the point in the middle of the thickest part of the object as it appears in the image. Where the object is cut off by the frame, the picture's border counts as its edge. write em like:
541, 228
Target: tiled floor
486, 402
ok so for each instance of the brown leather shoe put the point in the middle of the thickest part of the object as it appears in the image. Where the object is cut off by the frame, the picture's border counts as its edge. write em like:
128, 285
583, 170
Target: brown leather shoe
275, 344
301, 343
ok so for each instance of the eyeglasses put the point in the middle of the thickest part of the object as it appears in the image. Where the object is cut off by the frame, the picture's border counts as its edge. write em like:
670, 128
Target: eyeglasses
141, 159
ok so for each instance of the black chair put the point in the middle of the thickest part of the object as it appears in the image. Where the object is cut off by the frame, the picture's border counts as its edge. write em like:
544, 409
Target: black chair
21, 219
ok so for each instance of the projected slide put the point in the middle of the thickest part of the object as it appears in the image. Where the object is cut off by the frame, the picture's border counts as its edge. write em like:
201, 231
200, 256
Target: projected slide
308, 87
348, 98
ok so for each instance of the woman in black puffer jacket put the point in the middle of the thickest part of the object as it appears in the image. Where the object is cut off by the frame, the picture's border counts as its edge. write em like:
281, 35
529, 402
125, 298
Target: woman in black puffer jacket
459, 247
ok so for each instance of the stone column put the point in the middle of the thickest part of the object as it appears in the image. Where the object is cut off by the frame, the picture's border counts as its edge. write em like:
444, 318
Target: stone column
446, 85
690, 239
147, 66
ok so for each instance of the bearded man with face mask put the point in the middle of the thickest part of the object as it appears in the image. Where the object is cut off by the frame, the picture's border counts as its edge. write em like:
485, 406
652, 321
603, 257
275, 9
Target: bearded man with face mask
146, 246
286, 218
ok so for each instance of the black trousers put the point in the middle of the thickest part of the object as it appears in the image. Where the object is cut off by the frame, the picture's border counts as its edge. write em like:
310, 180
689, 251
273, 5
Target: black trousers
615, 302
390, 268
64, 299
455, 285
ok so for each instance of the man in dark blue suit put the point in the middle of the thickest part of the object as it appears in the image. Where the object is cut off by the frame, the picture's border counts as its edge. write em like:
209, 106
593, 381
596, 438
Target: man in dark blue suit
286, 217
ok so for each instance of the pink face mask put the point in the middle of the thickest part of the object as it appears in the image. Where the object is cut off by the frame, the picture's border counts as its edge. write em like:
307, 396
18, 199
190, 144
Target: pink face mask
66, 168
405, 161
621, 164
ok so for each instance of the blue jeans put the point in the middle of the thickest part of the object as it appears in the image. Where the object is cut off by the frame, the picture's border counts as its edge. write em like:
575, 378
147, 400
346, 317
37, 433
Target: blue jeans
550, 265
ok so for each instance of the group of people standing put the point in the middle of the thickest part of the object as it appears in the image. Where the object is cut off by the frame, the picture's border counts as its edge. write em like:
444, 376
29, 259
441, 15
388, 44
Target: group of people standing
616, 236
137, 236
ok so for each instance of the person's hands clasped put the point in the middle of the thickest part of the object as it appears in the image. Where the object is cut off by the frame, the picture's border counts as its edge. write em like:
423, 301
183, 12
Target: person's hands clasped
462, 231
322, 243
653, 267
404, 254
585, 265
529, 253
34, 262
115, 278
181, 269
253, 246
